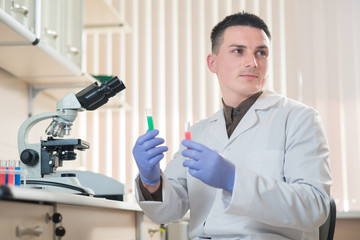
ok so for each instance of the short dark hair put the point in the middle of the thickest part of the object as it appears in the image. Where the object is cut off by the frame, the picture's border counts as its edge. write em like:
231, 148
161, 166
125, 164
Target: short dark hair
237, 19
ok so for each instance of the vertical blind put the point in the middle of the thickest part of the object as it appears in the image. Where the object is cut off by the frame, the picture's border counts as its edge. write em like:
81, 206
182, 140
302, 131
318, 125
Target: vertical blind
162, 61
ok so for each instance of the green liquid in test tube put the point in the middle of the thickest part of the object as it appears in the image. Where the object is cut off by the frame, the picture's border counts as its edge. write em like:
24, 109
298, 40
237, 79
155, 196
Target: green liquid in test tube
149, 118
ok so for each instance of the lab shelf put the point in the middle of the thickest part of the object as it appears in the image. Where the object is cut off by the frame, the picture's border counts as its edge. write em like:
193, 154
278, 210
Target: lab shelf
29, 51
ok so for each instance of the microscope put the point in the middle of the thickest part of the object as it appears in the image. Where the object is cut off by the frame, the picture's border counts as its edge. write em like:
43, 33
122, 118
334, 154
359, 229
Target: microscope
41, 160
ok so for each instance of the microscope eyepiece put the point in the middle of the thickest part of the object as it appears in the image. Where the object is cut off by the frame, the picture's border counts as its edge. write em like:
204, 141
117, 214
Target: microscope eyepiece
94, 96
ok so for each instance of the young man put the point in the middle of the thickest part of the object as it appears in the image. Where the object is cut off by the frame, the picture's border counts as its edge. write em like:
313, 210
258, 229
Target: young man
256, 169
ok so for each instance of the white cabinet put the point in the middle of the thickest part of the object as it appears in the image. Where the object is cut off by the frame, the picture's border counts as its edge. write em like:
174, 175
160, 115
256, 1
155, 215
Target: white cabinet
31, 221
17, 27
41, 38
20, 220
82, 217
23, 11
73, 25
61, 27
51, 23
90, 223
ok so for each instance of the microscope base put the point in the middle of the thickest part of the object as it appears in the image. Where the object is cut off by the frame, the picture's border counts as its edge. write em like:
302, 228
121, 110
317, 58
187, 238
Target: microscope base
68, 184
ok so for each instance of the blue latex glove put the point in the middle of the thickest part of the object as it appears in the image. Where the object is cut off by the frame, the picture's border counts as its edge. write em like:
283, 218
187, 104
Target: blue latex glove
147, 154
208, 165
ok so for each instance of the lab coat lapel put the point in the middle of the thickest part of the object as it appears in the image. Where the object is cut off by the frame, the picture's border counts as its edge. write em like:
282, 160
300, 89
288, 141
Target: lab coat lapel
218, 128
217, 124
251, 118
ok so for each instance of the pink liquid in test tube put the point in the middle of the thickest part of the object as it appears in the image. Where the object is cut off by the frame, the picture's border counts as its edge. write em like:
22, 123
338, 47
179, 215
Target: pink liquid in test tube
187, 131
2, 175
11, 179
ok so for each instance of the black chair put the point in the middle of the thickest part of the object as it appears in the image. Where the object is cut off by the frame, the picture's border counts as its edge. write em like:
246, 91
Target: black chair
326, 231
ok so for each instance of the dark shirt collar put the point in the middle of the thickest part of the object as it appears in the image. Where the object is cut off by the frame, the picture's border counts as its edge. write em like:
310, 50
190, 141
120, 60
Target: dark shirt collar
234, 115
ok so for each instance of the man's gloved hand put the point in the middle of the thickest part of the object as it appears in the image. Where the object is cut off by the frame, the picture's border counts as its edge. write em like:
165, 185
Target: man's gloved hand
208, 166
147, 154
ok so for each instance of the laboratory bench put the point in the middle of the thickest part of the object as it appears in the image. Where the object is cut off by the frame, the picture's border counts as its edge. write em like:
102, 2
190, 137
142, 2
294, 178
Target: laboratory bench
347, 225
39, 214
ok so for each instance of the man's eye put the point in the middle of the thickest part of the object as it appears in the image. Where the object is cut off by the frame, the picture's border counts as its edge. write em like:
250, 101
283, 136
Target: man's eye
261, 53
238, 50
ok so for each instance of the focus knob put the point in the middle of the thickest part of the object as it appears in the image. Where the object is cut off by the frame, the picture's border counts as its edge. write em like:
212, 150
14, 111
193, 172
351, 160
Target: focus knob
29, 157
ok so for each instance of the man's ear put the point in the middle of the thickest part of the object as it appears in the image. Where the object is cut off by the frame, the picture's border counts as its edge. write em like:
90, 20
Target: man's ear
211, 62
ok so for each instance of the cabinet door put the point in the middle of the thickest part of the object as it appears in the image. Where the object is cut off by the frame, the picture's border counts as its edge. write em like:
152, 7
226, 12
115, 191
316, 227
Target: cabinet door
51, 25
94, 223
152, 230
22, 11
29, 217
73, 23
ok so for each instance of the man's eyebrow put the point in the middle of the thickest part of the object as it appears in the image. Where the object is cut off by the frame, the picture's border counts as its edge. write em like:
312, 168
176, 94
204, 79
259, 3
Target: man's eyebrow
243, 46
237, 46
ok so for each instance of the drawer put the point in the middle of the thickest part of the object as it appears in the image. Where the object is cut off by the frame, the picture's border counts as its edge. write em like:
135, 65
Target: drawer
27, 216
152, 230
94, 223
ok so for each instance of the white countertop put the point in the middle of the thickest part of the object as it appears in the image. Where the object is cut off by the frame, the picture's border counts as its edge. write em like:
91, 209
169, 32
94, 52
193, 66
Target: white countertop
27, 194
348, 215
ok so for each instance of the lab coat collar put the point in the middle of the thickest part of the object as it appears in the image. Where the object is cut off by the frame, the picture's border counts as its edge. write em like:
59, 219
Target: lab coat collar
217, 121
267, 99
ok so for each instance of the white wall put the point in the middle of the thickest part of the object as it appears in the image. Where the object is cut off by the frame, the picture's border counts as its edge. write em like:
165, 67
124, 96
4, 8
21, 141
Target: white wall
14, 108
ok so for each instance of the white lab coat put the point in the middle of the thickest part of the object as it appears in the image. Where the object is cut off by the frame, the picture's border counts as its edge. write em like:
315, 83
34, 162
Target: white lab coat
282, 176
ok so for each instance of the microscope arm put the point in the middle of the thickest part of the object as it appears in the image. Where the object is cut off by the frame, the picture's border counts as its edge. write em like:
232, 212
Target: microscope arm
25, 128
66, 113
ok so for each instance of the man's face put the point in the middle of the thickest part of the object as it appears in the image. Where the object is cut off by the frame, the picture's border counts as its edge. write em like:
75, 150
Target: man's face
241, 64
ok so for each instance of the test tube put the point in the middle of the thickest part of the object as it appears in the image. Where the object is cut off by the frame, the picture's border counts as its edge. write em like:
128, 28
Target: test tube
187, 131
2, 174
10, 178
17, 175
149, 118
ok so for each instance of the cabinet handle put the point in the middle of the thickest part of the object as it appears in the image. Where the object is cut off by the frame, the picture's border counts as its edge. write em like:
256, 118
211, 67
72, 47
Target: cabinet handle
22, 231
19, 8
73, 50
152, 231
50, 33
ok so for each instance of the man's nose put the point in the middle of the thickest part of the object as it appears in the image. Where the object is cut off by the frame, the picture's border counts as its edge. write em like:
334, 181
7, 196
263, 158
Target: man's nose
250, 61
